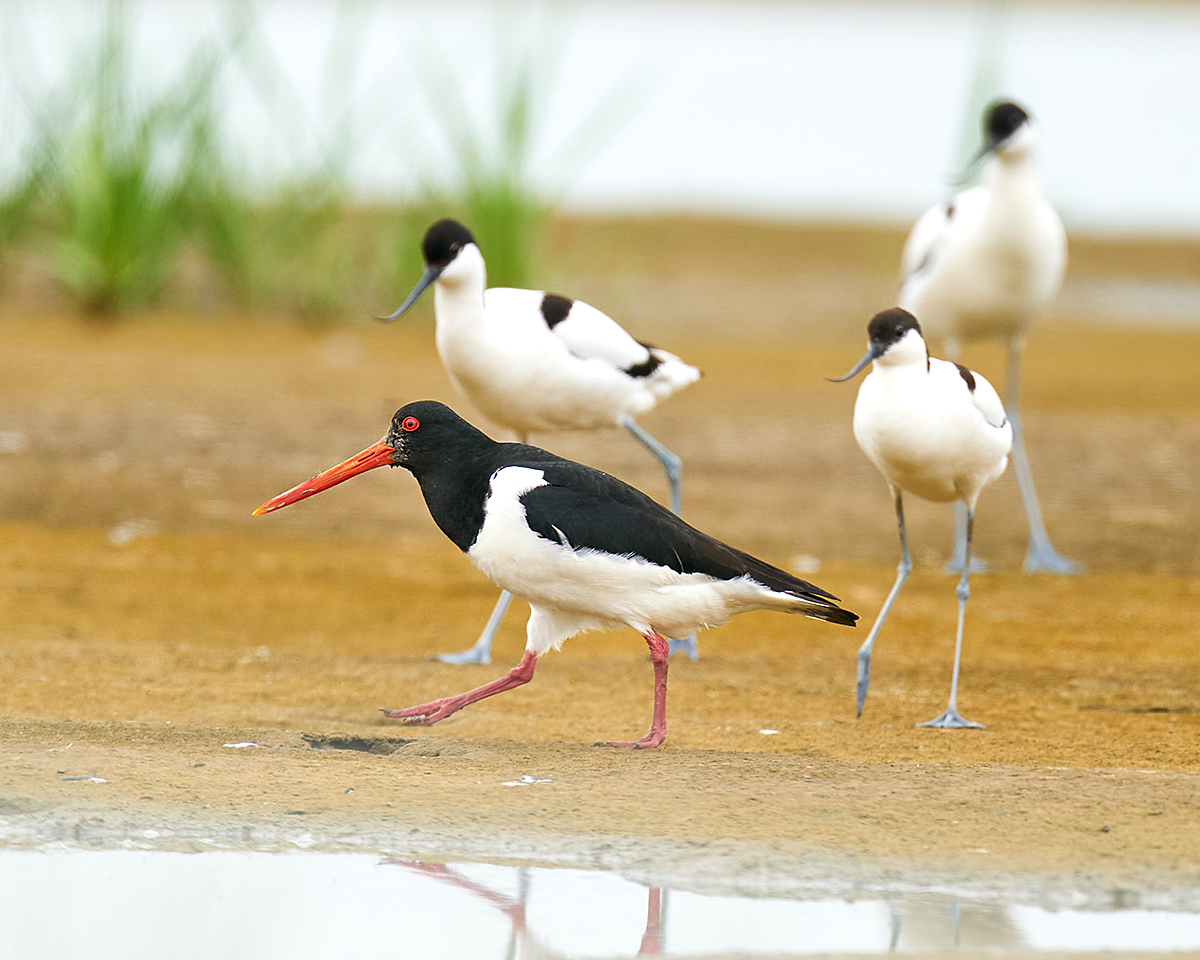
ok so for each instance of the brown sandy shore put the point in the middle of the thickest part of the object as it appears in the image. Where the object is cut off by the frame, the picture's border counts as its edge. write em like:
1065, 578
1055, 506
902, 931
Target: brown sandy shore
147, 621
1085, 783
709, 821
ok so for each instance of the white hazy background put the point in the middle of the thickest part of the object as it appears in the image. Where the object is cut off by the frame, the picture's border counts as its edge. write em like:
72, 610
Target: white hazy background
846, 111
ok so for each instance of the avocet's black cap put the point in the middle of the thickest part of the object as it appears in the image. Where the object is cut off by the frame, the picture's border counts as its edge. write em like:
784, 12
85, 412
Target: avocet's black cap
441, 245
1001, 120
443, 241
888, 327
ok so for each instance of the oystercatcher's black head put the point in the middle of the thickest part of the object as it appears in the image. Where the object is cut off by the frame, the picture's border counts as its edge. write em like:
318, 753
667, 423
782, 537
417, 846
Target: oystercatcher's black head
886, 329
443, 242
426, 433
423, 435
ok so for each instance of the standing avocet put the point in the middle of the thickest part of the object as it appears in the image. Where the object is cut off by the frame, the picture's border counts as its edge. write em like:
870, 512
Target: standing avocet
933, 428
534, 361
980, 266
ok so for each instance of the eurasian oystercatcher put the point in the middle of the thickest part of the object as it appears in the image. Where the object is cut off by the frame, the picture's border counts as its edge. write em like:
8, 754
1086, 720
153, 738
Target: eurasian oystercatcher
585, 549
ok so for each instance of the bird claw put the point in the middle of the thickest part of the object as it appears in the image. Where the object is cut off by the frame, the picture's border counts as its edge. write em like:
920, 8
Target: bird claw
1046, 559
647, 742
950, 720
418, 721
472, 655
422, 716
954, 566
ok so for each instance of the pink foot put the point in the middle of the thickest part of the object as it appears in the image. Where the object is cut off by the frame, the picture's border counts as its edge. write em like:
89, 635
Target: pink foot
651, 739
436, 710
426, 713
659, 656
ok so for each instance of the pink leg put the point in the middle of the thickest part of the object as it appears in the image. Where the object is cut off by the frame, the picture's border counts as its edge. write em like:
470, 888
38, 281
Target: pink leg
515, 909
436, 710
659, 655
652, 938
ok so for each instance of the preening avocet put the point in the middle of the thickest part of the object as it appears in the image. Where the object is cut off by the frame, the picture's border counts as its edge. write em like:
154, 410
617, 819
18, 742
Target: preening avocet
586, 550
980, 266
534, 361
933, 428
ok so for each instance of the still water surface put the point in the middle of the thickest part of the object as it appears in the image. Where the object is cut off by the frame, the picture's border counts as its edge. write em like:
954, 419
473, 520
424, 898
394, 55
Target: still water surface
141, 904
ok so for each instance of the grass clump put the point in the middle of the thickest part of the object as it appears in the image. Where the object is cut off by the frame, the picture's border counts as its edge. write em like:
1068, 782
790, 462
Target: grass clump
494, 193
501, 160
131, 188
294, 244
115, 194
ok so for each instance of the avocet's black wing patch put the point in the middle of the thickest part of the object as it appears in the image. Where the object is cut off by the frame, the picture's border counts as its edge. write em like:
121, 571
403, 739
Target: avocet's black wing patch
555, 309
647, 366
967, 375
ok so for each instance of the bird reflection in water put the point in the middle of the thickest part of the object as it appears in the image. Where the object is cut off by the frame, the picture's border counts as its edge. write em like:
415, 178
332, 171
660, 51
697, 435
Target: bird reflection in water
522, 943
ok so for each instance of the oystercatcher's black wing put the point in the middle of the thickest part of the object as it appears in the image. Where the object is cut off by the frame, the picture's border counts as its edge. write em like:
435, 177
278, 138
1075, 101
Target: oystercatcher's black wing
589, 509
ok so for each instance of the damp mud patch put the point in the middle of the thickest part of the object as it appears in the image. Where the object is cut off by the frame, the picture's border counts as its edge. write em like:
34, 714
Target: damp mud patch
380, 746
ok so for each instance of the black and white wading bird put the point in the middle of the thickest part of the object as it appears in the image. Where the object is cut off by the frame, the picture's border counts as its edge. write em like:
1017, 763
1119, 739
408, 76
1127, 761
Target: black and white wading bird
980, 266
587, 551
533, 361
933, 428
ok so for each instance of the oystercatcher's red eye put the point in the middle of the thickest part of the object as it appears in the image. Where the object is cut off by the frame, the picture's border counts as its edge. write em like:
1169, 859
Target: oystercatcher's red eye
410, 424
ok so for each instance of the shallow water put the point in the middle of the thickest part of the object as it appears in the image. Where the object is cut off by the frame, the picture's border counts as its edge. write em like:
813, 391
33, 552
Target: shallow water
130, 904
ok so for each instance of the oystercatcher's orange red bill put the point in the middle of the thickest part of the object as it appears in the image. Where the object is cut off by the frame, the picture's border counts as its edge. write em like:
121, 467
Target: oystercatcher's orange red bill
378, 455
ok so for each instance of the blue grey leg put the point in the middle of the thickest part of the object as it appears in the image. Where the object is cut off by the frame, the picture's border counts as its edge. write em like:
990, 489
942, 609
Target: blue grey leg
950, 718
1041, 557
958, 555
671, 465
481, 652
902, 572
959, 552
